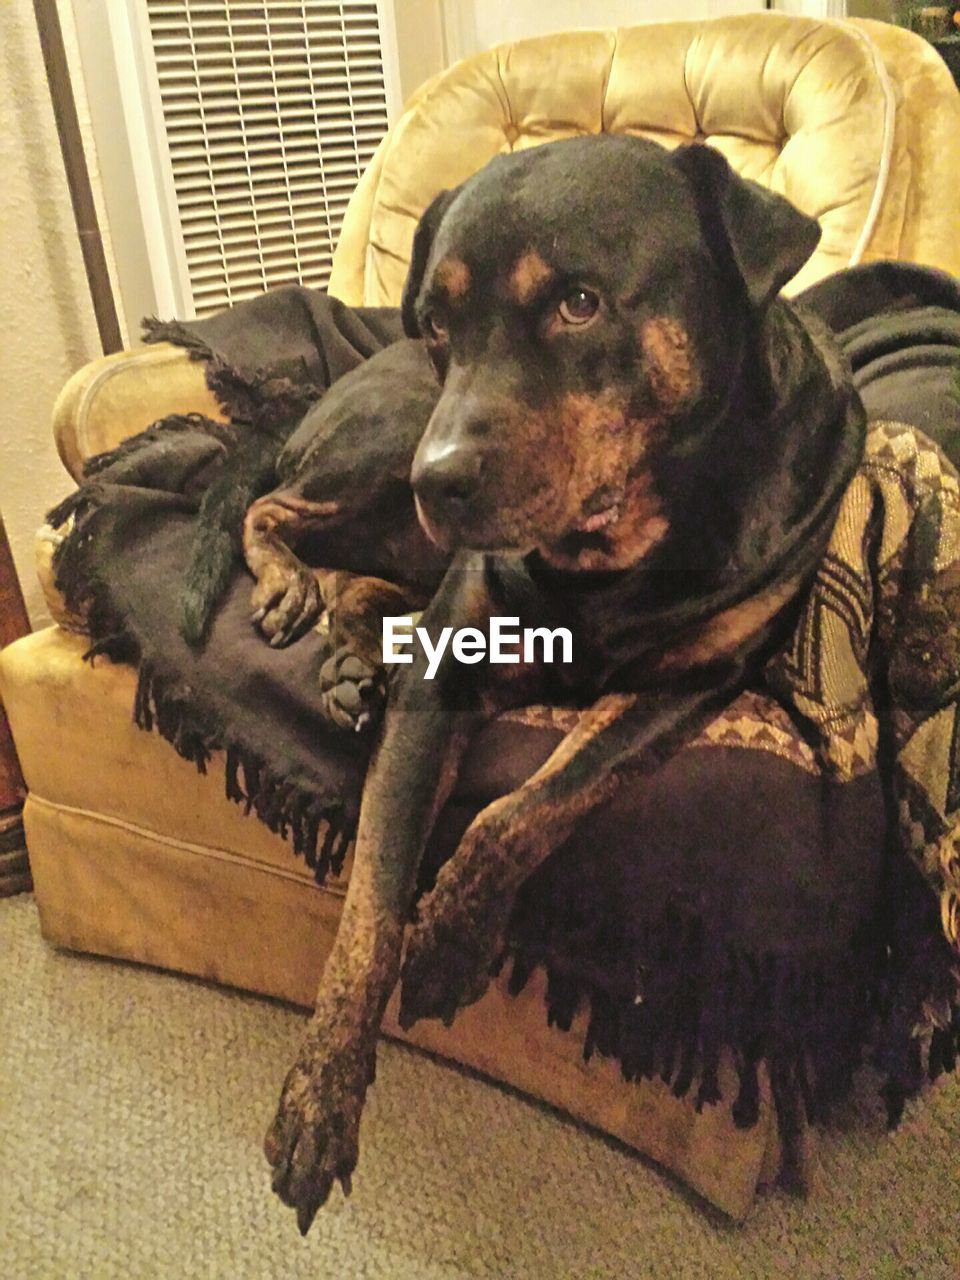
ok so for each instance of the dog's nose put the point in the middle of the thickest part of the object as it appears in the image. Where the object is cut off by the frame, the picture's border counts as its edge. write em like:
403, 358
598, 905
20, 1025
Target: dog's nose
448, 478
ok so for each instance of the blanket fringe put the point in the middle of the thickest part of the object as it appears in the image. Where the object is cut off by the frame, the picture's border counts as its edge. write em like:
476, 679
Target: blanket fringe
320, 830
273, 398
812, 1024
154, 330
128, 462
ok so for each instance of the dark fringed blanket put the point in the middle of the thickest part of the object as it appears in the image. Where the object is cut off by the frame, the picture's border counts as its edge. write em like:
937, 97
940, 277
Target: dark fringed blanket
787, 887
133, 549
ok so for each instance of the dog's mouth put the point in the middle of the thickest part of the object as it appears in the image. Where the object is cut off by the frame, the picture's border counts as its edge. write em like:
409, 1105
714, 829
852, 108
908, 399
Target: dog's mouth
505, 531
602, 509
600, 513
617, 527
435, 532
599, 520
448, 539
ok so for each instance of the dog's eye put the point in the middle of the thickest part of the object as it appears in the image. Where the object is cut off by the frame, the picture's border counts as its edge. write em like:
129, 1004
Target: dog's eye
579, 306
432, 328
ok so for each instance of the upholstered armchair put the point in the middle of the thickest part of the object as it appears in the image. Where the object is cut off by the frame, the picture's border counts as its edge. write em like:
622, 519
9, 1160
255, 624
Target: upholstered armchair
133, 853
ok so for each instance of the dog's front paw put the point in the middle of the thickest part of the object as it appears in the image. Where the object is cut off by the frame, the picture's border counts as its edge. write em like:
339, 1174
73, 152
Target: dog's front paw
286, 604
352, 690
314, 1138
459, 937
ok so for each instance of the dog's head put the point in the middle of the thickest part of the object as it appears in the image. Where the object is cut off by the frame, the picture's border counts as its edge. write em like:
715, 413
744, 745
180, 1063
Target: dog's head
585, 305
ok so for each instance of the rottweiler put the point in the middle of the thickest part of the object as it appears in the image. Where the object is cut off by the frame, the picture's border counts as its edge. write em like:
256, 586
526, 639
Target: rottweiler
610, 421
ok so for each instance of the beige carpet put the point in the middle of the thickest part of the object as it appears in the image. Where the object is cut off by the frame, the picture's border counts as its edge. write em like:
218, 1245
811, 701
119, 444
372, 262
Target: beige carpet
133, 1105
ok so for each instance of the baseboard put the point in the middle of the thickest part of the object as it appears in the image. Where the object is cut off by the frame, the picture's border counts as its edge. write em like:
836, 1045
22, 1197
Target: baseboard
14, 867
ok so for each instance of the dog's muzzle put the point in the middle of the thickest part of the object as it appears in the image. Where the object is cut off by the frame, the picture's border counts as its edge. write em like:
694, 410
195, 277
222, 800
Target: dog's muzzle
446, 482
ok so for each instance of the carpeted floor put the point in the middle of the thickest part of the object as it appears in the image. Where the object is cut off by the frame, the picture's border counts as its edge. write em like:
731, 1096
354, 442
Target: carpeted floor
132, 1106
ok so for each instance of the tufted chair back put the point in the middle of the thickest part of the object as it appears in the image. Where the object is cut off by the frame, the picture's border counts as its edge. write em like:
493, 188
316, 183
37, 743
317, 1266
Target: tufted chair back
858, 123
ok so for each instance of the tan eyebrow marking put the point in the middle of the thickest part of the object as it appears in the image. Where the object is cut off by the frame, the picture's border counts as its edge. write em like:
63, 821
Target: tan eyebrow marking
453, 275
529, 274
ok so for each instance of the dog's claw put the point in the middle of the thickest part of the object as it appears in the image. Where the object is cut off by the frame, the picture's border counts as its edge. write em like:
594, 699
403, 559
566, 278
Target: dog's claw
352, 690
306, 1213
313, 1140
286, 607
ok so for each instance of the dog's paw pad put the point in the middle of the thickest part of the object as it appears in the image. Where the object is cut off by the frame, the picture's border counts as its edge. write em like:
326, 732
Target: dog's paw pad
352, 690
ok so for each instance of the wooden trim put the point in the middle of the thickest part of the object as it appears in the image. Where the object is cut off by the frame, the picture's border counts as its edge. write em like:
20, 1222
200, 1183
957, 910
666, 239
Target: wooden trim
78, 176
123, 95
14, 867
12, 789
14, 622
14, 872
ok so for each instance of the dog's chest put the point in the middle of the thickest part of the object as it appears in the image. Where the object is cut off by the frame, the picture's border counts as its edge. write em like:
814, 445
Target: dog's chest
619, 645
614, 646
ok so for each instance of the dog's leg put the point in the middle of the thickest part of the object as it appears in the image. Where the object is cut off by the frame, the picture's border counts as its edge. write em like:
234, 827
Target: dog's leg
353, 677
313, 1140
462, 924
290, 596
287, 599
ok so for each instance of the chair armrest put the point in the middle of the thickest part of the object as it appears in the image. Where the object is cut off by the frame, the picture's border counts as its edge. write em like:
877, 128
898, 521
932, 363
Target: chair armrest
45, 544
928, 107
115, 397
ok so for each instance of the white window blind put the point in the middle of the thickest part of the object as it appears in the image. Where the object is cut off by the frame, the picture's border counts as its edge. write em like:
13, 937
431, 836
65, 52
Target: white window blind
272, 109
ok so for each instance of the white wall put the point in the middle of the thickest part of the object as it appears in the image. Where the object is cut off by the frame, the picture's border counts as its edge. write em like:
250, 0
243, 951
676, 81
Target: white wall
434, 33
47, 329
421, 45
474, 25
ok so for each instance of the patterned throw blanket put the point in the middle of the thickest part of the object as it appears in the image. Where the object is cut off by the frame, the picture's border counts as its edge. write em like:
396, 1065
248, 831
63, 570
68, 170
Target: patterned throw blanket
787, 887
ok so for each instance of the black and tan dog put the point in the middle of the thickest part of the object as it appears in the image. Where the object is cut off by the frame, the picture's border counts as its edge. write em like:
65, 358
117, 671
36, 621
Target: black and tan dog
633, 437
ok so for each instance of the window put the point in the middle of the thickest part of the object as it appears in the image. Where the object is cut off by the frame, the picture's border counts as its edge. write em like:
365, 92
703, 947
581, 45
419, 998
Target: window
248, 124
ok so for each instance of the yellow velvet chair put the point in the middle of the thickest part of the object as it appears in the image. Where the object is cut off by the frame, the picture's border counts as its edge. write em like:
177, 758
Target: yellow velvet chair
134, 854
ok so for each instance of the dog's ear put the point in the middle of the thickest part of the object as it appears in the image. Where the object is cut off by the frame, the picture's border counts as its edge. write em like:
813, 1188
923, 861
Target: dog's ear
764, 237
423, 239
